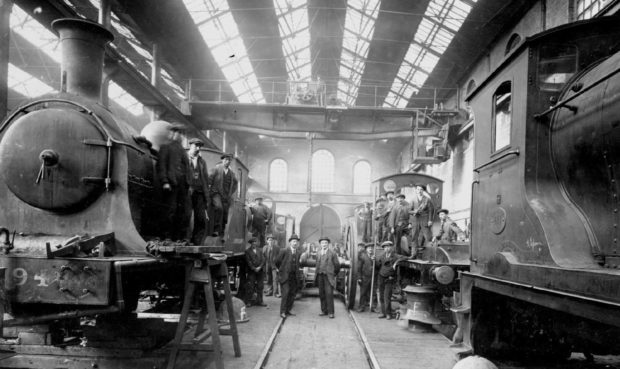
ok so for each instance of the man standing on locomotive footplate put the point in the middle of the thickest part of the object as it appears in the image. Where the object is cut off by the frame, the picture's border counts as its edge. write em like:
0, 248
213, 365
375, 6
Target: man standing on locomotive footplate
222, 185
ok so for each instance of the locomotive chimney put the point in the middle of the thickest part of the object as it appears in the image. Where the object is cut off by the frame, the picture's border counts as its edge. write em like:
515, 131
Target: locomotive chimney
83, 46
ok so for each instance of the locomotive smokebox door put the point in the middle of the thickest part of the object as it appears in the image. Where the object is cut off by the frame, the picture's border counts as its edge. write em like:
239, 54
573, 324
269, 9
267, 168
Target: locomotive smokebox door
46, 162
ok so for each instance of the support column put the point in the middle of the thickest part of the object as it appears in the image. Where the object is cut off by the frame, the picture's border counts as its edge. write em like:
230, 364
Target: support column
5, 43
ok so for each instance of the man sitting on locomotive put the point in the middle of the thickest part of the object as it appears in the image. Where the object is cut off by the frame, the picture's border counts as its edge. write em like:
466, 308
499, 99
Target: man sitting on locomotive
173, 171
448, 230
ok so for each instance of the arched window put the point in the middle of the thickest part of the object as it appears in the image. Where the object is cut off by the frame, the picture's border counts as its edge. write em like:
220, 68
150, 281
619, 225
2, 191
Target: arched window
471, 86
278, 175
502, 109
513, 41
361, 177
322, 171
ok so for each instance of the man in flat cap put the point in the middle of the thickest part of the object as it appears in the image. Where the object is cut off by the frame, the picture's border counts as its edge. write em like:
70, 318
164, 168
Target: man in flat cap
422, 213
261, 217
399, 221
380, 214
255, 261
198, 190
271, 252
288, 265
222, 187
173, 172
386, 265
448, 230
366, 276
327, 267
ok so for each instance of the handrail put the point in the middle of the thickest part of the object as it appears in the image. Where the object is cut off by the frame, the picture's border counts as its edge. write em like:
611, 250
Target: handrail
494, 160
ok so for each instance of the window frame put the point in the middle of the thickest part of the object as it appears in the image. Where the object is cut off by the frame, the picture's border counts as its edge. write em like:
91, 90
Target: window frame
333, 174
369, 189
269, 173
494, 148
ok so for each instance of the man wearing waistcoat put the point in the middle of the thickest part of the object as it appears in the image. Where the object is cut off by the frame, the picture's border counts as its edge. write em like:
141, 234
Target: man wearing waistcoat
327, 268
367, 277
288, 265
399, 221
422, 213
271, 252
222, 186
173, 172
198, 190
386, 265
261, 217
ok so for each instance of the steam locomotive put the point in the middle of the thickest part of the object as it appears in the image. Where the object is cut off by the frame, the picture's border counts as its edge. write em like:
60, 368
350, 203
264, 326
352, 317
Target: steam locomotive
80, 199
544, 278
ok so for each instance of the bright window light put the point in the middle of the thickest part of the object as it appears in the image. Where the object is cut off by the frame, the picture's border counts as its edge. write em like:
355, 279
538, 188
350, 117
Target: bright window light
26, 84
278, 175
295, 34
442, 20
219, 31
322, 171
359, 27
34, 32
124, 99
361, 177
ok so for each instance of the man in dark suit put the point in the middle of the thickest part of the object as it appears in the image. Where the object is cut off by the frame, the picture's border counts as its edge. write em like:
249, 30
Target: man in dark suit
386, 265
422, 213
367, 277
271, 252
327, 267
288, 265
222, 186
261, 216
173, 172
256, 266
399, 221
198, 190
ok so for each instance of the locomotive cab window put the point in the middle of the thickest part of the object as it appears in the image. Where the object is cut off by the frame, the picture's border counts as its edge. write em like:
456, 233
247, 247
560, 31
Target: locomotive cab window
557, 65
502, 109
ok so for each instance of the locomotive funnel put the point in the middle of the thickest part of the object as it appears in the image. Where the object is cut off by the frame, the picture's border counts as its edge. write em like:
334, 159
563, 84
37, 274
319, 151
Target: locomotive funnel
83, 46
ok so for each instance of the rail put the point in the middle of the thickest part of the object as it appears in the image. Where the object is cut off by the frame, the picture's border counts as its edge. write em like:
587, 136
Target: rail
495, 160
318, 93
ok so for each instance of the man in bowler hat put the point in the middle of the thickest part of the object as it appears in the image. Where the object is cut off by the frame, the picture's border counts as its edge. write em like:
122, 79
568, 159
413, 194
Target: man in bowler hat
255, 261
222, 187
367, 277
327, 267
288, 264
198, 190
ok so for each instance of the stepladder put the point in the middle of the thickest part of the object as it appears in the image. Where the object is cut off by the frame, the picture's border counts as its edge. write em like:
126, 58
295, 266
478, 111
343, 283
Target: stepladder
204, 272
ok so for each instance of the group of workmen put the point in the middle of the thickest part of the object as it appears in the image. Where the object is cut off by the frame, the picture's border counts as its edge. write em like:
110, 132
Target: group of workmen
281, 269
189, 188
395, 218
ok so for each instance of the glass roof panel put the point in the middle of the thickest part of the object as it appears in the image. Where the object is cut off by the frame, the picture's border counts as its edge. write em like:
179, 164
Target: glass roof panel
219, 31
25, 83
33, 31
442, 20
124, 99
359, 28
295, 34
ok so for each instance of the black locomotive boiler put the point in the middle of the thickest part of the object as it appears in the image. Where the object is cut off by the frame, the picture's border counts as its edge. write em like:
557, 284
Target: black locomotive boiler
544, 278
80, 200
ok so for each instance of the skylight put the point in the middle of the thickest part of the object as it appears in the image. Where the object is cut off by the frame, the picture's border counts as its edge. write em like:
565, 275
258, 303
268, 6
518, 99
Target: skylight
124, 99
295, 34
26, 84
442, 20
219, 31
359, 27
34, 32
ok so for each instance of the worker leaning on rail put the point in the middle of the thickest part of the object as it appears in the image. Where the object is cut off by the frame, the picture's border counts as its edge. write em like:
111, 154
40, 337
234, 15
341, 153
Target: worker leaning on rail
448, 230
386, 265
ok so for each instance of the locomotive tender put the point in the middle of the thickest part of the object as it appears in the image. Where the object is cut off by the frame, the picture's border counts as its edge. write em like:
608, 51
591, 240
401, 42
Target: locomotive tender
544, 278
